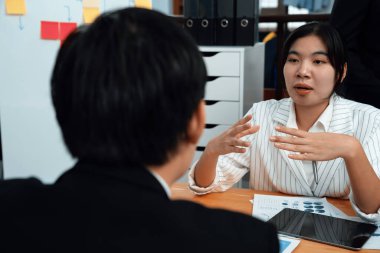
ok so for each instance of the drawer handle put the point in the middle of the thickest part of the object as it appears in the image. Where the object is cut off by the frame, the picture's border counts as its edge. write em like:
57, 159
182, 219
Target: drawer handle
209, 126
212, 78
209, 54
211, 102
201, 148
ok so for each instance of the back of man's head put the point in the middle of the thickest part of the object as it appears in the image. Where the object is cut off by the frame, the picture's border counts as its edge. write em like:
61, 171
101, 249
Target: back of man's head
125, 87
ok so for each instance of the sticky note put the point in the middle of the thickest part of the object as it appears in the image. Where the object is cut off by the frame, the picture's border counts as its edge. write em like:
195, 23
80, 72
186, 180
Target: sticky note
65, 29
90, 14
15, 7
91, 3
49, 30
143, 4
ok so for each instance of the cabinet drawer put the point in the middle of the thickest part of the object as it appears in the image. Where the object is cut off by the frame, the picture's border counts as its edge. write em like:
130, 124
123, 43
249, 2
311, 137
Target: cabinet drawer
222, 113
223, 64
210, 133
223, 88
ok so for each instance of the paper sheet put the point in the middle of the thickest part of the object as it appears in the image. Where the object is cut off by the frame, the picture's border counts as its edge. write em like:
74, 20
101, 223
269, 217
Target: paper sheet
15, 7
287, 244
90, 14
65, 28
266, 206
91, 3
374, 241
143, 4
49, 30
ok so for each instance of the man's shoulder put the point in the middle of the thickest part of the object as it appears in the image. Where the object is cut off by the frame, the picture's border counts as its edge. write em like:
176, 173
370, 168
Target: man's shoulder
194, 210
229, 226
32, 194
19, 187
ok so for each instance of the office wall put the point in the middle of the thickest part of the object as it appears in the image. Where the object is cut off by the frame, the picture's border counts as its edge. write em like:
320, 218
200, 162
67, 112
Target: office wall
31, 140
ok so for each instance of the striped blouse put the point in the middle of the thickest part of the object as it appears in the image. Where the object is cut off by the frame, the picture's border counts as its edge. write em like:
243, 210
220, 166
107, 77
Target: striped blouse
271, 169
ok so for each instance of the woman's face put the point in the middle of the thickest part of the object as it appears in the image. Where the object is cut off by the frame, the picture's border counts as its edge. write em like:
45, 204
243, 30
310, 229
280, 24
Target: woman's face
309, 75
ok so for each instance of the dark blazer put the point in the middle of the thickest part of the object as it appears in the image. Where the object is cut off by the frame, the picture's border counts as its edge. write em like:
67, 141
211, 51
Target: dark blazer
101, 208
358, 25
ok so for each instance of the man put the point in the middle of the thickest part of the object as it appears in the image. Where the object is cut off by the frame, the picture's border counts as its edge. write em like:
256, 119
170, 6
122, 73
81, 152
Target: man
357, 23
128, 93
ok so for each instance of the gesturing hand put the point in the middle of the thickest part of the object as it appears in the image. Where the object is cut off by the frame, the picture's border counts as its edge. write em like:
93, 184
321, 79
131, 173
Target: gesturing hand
229, 141
314, 146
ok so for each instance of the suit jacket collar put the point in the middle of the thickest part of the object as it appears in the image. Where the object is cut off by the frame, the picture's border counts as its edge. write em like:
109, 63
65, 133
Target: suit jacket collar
97, 176
341, 123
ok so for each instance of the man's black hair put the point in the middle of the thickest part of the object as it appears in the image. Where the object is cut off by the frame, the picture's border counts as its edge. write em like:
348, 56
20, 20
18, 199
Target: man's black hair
125, 87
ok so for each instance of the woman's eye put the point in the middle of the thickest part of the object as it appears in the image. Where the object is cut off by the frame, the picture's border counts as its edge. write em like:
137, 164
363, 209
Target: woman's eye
319, 62
292, 60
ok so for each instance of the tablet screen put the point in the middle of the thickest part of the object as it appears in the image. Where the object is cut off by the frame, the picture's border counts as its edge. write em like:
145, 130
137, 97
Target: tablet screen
321, 228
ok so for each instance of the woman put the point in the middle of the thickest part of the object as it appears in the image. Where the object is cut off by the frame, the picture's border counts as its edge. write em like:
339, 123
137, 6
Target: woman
314, 143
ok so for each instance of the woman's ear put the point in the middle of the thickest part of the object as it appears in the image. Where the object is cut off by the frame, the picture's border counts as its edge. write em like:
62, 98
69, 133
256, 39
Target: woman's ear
197, 123
344, 72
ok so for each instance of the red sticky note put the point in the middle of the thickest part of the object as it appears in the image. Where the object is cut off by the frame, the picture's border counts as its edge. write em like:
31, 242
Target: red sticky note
65, 29
49, 30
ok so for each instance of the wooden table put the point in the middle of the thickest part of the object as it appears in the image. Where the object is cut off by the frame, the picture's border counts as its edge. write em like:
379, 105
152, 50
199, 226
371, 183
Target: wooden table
237, 199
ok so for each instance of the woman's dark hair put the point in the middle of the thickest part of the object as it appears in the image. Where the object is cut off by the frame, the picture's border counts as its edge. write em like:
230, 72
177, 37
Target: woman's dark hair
330, 37
125, 87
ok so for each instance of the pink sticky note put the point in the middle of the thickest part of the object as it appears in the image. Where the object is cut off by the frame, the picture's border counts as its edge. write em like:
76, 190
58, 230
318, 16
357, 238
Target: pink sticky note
65, 29
49, 30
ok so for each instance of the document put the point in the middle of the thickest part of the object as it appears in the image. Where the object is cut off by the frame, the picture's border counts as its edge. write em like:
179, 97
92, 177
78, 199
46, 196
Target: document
266, 206
374, 241
287, 243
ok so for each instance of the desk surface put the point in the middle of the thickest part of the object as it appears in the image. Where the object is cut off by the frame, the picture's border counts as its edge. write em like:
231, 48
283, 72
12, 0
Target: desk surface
238, 200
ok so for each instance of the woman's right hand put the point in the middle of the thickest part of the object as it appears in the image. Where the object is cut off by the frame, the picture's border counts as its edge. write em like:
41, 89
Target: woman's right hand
229, 141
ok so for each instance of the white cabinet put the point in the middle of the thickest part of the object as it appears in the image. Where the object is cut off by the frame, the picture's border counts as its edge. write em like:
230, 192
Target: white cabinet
235, 82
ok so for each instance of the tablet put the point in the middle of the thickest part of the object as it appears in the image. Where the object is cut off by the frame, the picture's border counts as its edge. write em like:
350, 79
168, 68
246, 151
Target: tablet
326, 229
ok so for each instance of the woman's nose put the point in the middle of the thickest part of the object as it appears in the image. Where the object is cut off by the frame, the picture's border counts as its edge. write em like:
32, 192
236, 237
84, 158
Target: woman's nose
303, 70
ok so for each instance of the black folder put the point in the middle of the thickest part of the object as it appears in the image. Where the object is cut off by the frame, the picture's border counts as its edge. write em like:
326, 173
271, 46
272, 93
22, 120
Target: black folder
225, 22
246, 26
206, 14
190, 12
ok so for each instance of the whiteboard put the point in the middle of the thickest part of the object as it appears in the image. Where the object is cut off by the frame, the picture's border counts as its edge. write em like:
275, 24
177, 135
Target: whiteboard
31, 140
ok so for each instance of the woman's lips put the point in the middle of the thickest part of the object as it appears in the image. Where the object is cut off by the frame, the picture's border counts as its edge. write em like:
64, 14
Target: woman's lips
303, 89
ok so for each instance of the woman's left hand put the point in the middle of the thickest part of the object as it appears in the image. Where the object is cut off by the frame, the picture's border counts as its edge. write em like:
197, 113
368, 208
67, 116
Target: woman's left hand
315, 146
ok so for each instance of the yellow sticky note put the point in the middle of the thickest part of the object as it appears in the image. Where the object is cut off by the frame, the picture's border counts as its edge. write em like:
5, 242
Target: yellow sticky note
143, 4
15, 7
91, 3
90, 14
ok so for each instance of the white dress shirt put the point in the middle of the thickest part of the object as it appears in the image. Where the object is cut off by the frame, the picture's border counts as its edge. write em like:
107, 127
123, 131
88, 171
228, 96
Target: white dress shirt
271, 169
321, 125
162, 182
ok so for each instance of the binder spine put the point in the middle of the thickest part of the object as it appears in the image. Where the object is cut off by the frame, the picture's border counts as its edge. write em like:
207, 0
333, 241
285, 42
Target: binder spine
190, 10
225, 22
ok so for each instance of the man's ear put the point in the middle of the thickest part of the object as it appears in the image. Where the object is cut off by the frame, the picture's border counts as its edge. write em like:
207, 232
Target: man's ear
344, 72
197, 123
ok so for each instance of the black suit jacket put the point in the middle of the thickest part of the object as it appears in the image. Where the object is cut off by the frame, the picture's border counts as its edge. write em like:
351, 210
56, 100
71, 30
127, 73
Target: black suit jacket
358, 25
102, 208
